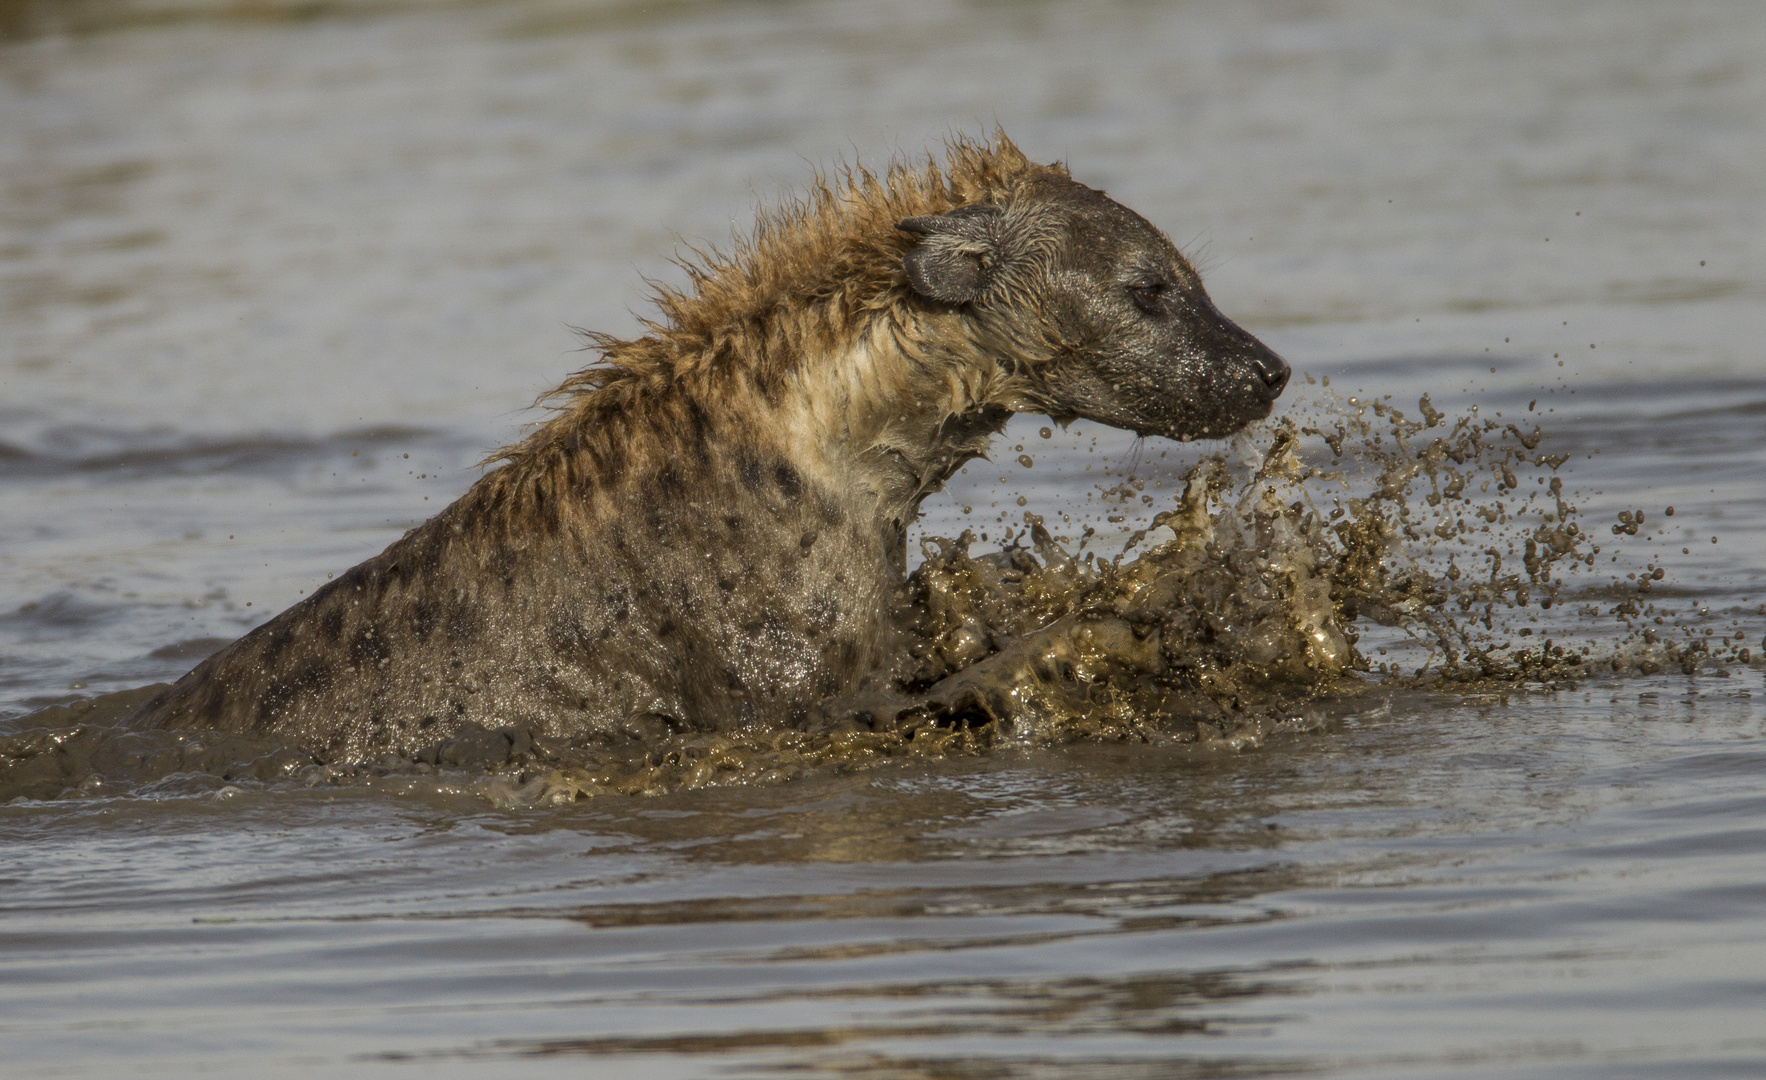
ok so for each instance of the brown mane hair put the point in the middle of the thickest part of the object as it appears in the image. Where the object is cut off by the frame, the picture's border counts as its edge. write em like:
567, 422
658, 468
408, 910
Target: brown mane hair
793, 290
802, 284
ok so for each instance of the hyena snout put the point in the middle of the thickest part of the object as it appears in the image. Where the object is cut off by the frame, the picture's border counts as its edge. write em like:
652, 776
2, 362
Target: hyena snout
1264, 374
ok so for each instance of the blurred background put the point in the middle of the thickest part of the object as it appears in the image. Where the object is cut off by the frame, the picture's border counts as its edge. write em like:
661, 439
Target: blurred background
242, 216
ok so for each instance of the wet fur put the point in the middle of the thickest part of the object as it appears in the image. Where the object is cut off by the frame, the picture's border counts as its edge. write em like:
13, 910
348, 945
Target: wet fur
708, 530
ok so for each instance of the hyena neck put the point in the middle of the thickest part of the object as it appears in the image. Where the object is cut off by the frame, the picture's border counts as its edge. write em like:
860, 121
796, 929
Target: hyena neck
889, 422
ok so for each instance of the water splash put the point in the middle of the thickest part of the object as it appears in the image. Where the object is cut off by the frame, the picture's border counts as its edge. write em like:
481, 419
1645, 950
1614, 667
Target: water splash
1344, 551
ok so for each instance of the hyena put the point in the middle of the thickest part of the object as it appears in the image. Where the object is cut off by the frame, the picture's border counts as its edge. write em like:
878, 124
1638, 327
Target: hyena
708, 531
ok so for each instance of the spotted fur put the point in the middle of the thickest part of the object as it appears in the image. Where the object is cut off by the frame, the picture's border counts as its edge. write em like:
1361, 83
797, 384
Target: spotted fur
708, 529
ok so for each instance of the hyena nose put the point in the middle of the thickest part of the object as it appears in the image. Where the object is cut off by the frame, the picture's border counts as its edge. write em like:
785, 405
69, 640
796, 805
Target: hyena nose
1274, 371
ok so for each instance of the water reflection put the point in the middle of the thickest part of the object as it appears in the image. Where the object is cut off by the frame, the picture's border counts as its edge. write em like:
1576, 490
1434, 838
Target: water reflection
1155, 1010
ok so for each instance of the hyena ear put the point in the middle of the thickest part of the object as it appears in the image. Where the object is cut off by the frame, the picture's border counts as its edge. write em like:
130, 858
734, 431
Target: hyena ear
957, 253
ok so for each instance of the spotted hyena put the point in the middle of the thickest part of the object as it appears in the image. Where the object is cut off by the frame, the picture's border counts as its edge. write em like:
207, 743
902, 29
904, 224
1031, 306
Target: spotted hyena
709, 530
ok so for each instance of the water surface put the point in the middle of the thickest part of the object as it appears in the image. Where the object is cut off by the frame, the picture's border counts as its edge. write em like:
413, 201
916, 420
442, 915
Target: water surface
273, 278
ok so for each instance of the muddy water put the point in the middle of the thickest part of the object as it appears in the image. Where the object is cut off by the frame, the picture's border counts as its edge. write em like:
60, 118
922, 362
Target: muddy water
274, 278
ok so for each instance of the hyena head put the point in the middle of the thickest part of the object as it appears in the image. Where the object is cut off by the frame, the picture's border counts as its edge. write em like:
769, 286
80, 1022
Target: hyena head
1111, 316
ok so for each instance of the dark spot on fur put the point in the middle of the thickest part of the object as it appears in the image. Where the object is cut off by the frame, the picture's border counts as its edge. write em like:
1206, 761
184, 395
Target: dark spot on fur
669, 483
305, 682
504, 563
539, 510
610, 458
823, 615
331, 625
699, 426
369, 648
275, 644
566, 635
665, 627
790, 484
423, 618
748, 468
462, 623
276, 697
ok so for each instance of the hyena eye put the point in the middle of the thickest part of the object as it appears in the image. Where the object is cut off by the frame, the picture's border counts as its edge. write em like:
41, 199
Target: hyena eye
1148, 296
